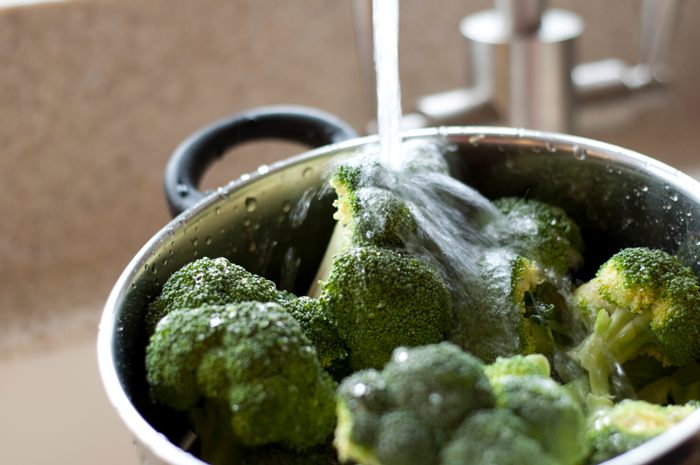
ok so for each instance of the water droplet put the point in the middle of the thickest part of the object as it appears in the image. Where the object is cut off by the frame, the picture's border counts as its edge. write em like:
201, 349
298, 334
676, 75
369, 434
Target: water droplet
474, 140
251, 204
218, 210
153, 269
435, 398
286, 206
256, 226
252, 247
208, 240
245, 177
214, 322
521, 132
182, 190
246, 222
165, 261
673, 196
550, 147
195, 241
359, 390
145, 267
263, 169
195, 253
171, 233
579, 153
402, 356
643, 186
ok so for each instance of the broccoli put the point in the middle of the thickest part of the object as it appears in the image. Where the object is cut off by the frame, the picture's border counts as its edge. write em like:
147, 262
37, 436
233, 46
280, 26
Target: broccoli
541, 232
380, 300
405, 413
680, 387
323, 335
554, 418
518, 365
495, 437
210, 281
248, 366
490, 321
646, 303
629, 424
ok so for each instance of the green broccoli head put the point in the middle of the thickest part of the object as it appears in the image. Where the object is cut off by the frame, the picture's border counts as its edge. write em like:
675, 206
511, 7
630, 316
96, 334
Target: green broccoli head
541, 232
646, 304
630, 424
380, 300
403, 414
439, 383
518, 365
553, 417
323, 335
249, 363
490, 321
495, 437
210, 281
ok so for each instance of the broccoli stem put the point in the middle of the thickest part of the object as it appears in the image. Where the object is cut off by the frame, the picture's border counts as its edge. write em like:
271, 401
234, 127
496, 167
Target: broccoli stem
614, 340
337, 244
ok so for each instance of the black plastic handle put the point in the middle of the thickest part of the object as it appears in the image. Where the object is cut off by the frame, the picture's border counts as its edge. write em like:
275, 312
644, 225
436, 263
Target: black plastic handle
190, 160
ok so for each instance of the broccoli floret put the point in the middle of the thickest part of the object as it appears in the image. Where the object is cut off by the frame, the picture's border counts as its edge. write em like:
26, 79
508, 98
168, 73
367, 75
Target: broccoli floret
274, 454
210, 281
518, 365
495, 437
380, 300
646, 304
246, 365
541, 232
439, 383
680, 387
553, 417
323, 335
630, 424
490, 322
405, 413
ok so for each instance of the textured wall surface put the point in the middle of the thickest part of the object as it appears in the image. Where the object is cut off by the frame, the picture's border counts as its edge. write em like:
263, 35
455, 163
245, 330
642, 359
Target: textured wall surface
94, 95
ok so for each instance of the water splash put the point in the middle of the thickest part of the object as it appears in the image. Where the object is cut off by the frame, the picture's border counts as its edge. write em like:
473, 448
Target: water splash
385, 14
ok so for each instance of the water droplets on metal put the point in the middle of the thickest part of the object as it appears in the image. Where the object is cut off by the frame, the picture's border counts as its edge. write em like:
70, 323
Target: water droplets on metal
245, 177
251, 204
579, 152
263, 169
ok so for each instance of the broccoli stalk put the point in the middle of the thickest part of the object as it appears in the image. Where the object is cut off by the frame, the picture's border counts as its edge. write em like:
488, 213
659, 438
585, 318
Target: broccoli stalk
645, 304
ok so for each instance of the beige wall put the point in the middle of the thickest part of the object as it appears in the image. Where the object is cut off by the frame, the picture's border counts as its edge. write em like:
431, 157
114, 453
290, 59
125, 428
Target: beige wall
94, 95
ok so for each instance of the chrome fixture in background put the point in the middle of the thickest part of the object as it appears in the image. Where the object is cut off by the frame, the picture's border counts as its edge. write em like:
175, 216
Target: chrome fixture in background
524, 74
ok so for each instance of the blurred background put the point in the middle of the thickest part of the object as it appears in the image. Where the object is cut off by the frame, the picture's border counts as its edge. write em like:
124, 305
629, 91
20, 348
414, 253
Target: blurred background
96, 94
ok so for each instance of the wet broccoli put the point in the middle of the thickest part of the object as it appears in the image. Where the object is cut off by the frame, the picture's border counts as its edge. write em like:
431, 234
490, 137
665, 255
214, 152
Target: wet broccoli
553, 417
679, 387
495, 437
490, 321
629, 424
380, 300
405, 413
645, 303
210, 281
518, 365
541, 232
247, 366
314, 324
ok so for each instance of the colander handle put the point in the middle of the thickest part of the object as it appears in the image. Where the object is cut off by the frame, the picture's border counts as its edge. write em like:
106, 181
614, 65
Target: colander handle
192, 157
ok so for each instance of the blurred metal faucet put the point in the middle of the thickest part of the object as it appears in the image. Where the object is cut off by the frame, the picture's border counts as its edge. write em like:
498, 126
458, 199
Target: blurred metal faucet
524, 74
